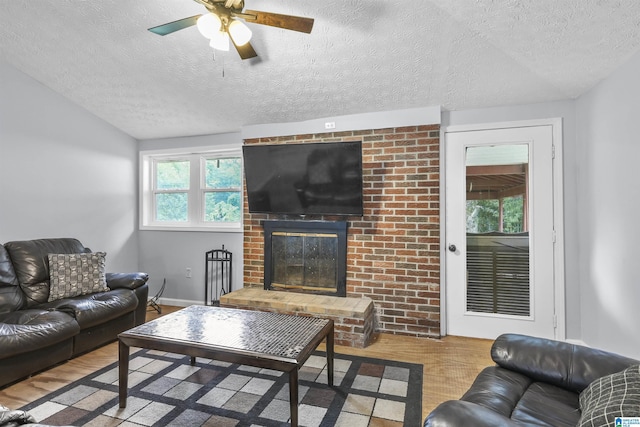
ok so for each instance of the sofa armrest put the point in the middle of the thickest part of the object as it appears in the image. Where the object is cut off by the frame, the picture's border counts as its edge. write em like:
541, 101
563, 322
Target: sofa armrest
126, 280
456, 413
570, 366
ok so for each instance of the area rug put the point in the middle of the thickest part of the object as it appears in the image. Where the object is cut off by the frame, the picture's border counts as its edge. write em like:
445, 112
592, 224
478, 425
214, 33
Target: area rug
165, 390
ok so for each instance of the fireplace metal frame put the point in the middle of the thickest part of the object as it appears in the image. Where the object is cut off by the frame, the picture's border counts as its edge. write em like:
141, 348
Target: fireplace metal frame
337, 227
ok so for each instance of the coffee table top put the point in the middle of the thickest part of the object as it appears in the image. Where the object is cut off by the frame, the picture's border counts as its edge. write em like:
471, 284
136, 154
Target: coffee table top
276, 334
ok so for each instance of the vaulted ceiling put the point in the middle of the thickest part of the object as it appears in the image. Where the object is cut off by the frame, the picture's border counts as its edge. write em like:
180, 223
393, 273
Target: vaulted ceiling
362, 56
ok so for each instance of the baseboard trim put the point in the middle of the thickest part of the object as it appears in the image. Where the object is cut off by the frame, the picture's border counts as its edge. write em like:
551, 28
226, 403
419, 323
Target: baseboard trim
178, 302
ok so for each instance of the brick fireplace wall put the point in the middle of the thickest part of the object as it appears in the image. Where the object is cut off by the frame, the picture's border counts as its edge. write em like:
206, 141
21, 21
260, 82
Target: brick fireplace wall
393, 251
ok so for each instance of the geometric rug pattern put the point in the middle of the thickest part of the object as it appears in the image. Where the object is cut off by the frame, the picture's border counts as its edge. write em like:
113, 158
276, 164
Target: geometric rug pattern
166, 390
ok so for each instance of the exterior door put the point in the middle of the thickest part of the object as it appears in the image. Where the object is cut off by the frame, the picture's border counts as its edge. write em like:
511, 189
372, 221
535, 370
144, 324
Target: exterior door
499, 235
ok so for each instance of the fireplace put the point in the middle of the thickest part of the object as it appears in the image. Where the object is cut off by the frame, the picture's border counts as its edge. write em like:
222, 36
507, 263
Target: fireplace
306, 256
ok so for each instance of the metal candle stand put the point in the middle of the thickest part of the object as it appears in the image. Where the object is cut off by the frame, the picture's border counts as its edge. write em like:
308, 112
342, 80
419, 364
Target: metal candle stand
217, 275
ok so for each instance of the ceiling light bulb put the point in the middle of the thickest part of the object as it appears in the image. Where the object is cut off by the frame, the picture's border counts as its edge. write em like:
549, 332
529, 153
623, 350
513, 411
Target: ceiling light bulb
240, 33
209, 24
220, 41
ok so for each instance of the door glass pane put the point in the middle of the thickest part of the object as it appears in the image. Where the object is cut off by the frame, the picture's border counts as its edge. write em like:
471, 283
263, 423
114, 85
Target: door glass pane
497, 187
304, 260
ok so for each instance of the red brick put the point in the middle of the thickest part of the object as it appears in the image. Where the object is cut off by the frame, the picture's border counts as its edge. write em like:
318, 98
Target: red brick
393, 252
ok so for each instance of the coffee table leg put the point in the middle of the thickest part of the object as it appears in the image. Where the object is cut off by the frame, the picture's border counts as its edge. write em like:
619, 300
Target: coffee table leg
329, 346
123, 372
293, 396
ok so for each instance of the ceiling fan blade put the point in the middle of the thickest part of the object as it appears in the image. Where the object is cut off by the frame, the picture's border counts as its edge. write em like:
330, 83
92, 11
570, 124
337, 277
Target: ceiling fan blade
174, 26
245, 51
288, 22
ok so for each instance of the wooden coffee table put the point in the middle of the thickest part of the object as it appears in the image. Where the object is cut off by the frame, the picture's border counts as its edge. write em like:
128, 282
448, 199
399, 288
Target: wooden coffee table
261, 339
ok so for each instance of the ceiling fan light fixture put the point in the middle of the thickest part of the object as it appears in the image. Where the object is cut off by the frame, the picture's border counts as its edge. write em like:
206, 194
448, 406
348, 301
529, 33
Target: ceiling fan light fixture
240, 33
209, 24
220, 41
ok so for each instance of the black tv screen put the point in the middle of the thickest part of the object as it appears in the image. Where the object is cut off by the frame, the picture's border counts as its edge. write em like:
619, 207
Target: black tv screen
304, 179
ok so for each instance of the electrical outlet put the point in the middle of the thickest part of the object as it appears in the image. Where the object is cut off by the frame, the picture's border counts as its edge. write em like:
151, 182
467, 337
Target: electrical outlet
188, 273
330, 125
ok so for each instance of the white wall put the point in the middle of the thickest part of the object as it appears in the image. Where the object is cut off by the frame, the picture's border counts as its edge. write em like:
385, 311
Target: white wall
64, 172
566, 111
167, 254
608, 118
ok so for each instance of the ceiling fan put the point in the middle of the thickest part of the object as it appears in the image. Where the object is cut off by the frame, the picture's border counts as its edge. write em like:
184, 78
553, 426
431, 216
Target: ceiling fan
223, 22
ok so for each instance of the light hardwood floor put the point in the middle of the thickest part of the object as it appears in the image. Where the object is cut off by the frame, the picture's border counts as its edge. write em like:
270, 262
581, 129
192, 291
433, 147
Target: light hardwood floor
449, 366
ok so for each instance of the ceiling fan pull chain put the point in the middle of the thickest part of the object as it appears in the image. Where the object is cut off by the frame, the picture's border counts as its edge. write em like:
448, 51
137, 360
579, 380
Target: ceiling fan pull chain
214, 60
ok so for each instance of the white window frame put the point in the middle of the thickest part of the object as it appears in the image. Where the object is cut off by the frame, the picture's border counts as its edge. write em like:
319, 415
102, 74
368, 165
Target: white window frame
196, 193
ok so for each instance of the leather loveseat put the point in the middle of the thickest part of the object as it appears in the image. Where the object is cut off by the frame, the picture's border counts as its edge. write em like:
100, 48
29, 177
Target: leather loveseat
37, 332
541, 382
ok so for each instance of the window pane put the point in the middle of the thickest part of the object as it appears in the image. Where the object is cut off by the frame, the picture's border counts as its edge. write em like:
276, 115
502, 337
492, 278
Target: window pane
222, 206
513, 214
223, 173
482, 216
172, 175
171, 207
497, 237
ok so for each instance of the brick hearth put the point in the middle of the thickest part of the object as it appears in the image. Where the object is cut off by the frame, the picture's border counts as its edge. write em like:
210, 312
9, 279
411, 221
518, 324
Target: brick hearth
353, 317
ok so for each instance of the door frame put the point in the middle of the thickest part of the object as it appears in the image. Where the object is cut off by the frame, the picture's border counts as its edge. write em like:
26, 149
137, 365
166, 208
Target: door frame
558, 214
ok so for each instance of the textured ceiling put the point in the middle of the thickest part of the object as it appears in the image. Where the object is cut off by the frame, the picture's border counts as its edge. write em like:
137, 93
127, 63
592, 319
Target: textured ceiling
362, 56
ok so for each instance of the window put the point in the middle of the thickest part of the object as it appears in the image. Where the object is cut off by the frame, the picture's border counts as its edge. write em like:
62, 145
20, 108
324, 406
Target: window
222, 189
484, 216
191, 191
171, 192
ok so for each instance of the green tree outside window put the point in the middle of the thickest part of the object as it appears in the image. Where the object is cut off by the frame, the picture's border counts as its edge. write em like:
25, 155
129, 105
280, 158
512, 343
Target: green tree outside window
223, 183
483, 216
172, 179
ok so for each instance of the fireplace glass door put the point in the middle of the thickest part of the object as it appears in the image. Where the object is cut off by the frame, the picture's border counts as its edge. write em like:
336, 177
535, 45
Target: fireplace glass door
304, 261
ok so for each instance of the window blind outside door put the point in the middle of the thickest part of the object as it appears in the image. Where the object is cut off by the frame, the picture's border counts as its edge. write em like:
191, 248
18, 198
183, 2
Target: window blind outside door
498, 274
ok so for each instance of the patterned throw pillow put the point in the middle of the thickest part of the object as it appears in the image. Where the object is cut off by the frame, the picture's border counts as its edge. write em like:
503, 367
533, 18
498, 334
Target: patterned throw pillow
76, 274
615, 395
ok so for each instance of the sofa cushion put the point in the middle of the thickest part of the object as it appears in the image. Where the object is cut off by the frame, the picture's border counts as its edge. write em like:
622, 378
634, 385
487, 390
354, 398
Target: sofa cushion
76, 274
497, 389
547, 405
615, 395
458, 413
31, 263
95, 309
11, 296
7, 273
524, 401
31, 329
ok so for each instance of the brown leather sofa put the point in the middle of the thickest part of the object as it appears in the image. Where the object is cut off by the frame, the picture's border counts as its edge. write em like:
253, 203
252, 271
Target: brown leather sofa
35, 333
535, 382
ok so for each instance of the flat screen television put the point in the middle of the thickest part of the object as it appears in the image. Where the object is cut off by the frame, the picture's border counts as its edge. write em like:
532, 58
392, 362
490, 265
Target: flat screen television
304, 179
